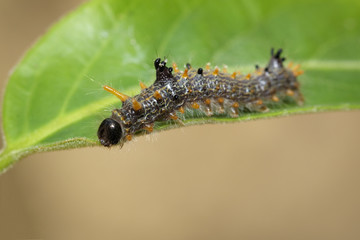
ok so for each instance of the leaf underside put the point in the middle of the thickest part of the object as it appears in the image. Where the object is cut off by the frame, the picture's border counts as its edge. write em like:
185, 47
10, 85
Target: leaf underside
54, 98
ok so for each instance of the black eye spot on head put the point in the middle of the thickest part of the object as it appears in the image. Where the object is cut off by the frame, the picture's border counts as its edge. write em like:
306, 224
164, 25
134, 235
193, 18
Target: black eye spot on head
176, 97
109, 132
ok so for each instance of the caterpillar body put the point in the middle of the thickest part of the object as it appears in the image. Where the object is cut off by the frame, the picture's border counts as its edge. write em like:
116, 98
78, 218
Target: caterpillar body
210, 91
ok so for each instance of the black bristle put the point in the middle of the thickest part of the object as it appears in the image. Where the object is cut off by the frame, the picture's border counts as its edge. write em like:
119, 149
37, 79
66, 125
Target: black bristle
162, 66
266, 69
200, 71
157, 63
170, 69
188, 65
283, 59
278, 53
257, 67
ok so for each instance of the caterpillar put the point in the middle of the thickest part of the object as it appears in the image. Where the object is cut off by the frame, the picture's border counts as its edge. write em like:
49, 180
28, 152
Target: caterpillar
210, 90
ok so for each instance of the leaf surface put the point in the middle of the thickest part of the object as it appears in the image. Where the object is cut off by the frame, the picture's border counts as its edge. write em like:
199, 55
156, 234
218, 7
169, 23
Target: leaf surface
54, 98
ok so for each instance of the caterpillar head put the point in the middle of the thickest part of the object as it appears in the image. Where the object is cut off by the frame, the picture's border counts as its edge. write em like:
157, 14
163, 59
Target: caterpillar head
109, 132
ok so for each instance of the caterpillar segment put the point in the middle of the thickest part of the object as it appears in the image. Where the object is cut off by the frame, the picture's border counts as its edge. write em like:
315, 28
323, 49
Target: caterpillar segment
204, 89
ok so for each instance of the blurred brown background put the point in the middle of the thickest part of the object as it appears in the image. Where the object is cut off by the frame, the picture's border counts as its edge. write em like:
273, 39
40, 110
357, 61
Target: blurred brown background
285, 178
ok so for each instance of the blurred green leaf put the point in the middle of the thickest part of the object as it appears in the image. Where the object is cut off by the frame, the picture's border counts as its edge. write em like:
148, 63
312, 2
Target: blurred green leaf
54, 98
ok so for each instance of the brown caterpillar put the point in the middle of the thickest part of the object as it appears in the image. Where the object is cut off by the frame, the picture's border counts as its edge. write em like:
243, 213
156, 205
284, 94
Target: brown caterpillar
204, 89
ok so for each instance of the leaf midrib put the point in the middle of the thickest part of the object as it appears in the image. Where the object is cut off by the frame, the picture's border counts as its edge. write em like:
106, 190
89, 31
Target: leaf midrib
87, 67
332, 65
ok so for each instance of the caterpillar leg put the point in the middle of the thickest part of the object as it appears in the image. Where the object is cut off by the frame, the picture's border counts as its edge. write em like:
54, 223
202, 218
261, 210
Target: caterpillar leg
174, 117
234, 110
257, 106
299, 98
208, 110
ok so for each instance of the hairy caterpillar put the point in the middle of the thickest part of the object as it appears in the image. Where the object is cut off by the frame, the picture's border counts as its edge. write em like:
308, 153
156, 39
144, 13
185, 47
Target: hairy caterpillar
204, 89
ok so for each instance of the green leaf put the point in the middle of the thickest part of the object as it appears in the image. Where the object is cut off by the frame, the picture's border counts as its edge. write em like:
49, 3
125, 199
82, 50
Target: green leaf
54, 98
